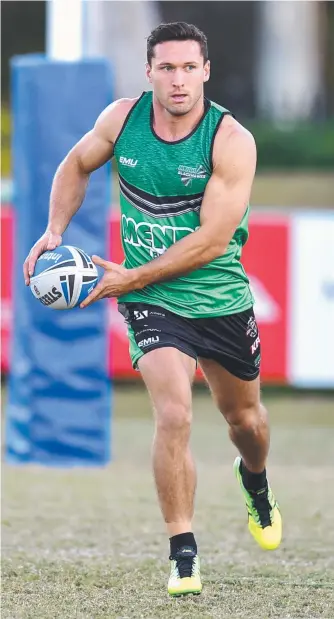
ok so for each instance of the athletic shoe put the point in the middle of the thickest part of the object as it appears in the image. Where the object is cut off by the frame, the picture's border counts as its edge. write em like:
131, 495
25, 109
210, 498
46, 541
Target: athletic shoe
264, 517
185, 575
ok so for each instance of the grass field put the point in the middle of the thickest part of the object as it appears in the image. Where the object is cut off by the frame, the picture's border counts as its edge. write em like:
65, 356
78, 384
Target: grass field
90, 544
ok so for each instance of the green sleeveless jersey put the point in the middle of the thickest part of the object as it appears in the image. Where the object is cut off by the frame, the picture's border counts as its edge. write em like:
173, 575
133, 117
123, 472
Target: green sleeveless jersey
161, 190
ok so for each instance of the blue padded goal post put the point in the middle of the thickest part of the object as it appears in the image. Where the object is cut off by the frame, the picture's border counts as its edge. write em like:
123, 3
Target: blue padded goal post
59, 404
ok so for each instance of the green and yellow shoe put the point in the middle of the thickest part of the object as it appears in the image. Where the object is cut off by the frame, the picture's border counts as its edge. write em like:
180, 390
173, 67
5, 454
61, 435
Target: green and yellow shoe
264, 517
185, 575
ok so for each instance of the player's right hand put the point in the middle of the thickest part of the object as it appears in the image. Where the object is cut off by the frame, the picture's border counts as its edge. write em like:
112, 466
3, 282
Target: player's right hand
48, 241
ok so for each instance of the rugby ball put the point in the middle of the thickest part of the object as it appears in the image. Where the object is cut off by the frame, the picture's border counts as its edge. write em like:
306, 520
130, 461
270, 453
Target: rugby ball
63, 277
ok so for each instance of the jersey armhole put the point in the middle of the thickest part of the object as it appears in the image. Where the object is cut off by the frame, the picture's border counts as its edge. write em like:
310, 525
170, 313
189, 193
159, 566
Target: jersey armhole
215, 133
126, 120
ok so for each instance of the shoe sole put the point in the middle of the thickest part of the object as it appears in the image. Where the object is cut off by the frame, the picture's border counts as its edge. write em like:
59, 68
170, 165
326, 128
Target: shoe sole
180, 595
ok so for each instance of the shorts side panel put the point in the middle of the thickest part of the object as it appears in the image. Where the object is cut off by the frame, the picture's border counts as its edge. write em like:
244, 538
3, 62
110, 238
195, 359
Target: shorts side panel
234, 342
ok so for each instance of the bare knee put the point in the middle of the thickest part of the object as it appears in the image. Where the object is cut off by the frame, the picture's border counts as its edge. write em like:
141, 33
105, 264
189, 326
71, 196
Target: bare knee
249, 419
174, 420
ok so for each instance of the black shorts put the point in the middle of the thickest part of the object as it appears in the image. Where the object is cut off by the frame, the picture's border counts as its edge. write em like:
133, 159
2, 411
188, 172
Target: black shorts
233, 341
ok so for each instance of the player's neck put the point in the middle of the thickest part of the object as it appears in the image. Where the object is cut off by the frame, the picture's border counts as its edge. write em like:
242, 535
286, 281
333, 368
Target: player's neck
173, 128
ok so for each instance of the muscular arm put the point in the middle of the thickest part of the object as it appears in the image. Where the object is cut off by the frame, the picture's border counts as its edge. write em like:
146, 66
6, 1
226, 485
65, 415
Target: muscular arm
72, 176
90, 153
224, 203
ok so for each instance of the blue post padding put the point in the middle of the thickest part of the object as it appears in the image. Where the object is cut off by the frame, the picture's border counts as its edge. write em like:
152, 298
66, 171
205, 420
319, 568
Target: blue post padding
59, 405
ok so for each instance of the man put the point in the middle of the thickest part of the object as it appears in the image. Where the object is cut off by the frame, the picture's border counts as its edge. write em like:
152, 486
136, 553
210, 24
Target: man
186, 168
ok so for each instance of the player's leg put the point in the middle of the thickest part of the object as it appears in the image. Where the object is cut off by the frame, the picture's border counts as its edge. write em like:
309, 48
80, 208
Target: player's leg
168, 374
239, 402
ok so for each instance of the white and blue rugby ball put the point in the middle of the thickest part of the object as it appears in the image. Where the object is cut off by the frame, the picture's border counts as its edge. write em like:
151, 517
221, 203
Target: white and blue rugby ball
63, 277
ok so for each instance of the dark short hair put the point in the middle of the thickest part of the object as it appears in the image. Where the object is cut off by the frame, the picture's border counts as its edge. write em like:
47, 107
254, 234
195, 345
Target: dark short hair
176, 31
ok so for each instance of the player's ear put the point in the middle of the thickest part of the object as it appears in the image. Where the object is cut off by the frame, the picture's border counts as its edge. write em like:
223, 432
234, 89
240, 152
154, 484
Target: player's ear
148, 70
207, 71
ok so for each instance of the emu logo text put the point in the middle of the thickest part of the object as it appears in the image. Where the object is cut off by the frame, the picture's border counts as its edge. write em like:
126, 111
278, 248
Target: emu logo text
131, 163
148, 341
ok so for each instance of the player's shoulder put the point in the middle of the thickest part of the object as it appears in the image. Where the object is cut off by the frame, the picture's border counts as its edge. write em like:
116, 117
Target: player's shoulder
231, 130
232, 138
119, 108
112, 118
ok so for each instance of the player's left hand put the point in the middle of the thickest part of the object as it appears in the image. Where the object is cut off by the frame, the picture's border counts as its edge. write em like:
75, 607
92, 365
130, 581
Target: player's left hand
116, 281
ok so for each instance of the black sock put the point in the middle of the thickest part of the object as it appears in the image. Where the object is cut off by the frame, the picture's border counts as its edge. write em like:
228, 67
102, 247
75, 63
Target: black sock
253, 482
183, 539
